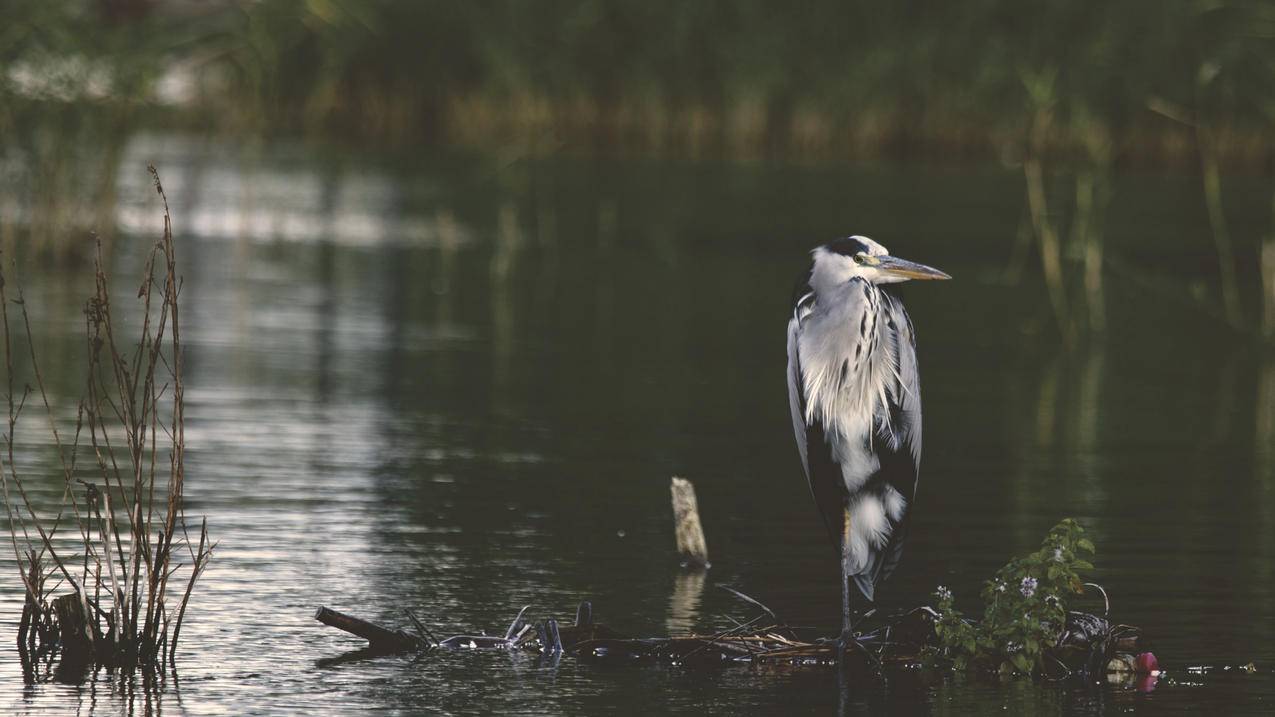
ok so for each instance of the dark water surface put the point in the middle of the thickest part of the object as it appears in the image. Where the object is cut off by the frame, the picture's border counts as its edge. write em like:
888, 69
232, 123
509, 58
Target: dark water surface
460, 386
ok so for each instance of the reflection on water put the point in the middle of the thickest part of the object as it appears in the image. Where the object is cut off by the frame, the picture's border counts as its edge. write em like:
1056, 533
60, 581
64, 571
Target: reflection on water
684, 602
459, 390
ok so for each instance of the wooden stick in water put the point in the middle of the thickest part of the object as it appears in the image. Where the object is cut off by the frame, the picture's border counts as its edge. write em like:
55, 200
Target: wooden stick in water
687, 527
378, 638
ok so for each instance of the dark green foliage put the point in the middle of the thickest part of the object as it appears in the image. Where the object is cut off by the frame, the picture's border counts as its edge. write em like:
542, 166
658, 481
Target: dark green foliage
1025, 609
867, 73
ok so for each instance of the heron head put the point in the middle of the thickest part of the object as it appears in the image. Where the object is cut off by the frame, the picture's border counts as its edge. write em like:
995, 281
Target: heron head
860, 257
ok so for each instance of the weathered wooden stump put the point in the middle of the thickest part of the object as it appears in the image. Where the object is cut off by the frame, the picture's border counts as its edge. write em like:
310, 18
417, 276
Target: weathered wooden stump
688, 530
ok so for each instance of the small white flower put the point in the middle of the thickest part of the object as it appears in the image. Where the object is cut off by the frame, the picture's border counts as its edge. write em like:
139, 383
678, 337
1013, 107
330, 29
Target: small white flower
1058, 554
1028, 587
943, 593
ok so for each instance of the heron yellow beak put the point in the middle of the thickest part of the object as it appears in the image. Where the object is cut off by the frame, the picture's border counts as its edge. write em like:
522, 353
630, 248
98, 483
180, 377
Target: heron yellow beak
908, 269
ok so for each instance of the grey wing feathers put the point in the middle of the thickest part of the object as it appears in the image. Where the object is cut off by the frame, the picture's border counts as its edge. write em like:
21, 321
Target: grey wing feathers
796, 398
822, 471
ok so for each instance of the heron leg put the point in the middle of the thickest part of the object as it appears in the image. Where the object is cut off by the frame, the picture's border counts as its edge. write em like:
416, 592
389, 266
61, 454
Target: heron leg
847, 623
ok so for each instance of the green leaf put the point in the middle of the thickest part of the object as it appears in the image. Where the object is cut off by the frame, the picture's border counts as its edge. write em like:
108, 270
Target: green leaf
1085, 544
1083, 565
1021, 662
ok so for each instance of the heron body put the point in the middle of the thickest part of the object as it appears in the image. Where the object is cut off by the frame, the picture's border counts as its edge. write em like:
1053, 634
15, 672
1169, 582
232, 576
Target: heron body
855, 396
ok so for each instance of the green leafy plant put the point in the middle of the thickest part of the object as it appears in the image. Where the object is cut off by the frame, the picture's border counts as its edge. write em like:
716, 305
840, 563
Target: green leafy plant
1025, 607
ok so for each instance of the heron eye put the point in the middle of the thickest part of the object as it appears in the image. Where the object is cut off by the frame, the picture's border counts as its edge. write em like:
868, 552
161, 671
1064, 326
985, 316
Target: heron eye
860, 259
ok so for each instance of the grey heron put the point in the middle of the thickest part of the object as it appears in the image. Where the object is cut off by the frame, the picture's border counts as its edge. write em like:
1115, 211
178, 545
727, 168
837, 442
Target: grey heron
855, 397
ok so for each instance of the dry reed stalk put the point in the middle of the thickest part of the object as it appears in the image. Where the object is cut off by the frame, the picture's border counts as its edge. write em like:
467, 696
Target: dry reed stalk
1043, 226
1211, 176
130, 521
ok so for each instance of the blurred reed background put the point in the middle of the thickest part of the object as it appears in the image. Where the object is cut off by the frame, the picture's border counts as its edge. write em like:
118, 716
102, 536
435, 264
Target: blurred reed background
1066, 93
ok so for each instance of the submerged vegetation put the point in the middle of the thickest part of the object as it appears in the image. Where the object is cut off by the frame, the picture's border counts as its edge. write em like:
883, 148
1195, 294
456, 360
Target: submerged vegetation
117, 543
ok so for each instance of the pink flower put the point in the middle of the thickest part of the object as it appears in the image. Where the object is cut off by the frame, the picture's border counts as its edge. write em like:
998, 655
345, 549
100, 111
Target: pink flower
1146, 664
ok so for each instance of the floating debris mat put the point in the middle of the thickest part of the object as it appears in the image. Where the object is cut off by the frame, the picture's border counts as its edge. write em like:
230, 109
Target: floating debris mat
1090, 645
